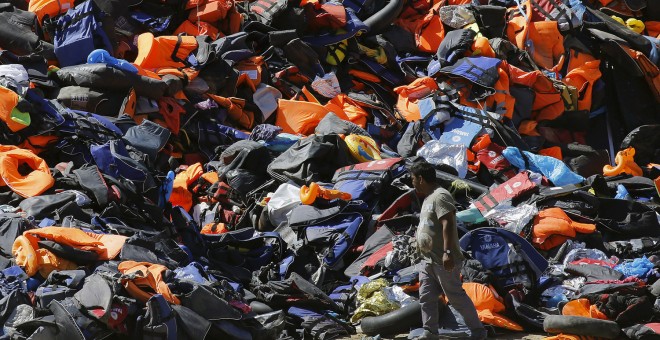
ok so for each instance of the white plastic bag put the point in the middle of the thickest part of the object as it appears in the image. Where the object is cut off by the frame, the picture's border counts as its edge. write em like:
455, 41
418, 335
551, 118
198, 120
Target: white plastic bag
284, 199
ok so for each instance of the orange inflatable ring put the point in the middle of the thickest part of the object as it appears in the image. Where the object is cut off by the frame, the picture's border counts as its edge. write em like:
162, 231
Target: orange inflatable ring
624, 163
309, 194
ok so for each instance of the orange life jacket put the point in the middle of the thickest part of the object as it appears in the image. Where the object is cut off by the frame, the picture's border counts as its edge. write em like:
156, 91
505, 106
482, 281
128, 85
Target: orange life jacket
583, 72
25, 255
430, 31
252, 67
214, 228
501, 102
488, 305
410, 94
552, 227
553, 151
8, 102
541, 38
548, 103
143, 280
49, 8
199, 28
211, 10
38, 144
33, 259
49, 262
299, 117
181, 196
235, 110
163, 51
413, 11
107, 246
343, 104
582, 307
32, 184
481, 47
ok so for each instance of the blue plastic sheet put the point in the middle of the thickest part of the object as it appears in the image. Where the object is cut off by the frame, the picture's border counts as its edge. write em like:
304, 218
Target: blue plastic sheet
552, 168
639, 267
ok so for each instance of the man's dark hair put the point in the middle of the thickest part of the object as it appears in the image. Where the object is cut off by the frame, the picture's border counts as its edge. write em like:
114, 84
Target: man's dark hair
424, 170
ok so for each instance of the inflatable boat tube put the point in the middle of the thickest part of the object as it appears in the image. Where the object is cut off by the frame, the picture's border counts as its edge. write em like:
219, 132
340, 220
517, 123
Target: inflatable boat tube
260, 307
395, 322
477, 188
579, 325
383, 18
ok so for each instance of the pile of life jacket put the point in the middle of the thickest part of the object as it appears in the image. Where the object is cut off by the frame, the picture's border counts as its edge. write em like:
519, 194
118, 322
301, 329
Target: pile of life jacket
239, 169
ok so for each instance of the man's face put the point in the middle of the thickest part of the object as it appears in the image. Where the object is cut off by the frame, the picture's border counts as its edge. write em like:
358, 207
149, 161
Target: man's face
417, 183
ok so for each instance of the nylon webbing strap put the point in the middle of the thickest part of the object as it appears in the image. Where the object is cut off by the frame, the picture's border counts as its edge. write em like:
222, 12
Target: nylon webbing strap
179, 40
484, 74
487, 202
265, 8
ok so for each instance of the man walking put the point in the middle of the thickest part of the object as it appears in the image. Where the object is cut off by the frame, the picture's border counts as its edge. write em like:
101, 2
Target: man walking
437, 239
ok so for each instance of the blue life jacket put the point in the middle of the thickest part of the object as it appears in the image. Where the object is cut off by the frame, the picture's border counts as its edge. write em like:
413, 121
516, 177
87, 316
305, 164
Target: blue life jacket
156, 25
511, 258
335, 236
78, 33
478, 70
113, 159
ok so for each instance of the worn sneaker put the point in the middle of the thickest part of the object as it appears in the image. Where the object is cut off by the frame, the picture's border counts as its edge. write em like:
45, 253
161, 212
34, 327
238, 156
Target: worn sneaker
478, 334
427, 335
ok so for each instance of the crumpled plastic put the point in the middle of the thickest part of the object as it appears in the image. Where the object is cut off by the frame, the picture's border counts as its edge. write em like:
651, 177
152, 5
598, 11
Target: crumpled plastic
513, 219
575, 282
555, 294
15, 75
396, 293
456, 16
584, 253
373, 300
436, 152
638, 267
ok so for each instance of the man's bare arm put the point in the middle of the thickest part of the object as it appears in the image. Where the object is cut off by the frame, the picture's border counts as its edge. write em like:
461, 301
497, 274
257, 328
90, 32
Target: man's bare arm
448, 221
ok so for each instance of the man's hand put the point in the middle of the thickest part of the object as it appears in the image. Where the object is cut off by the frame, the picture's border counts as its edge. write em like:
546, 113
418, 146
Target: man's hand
448, 262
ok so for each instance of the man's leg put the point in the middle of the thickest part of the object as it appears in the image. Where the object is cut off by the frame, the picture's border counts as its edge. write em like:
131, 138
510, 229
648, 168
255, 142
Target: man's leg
429, 291
453, 288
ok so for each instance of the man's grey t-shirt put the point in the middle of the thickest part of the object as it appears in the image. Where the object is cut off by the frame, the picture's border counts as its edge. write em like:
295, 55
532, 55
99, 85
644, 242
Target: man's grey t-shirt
430, 239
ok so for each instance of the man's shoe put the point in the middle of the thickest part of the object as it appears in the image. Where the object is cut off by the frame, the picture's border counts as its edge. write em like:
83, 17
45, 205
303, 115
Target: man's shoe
478, 334
427, 335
